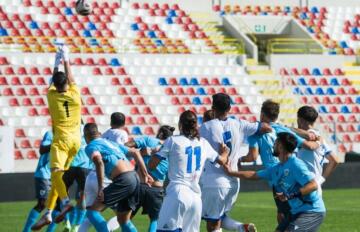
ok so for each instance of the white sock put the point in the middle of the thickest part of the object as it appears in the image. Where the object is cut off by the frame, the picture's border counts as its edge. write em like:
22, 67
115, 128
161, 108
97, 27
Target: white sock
85, 226
113, 224
218, 230
48, 214
230, 224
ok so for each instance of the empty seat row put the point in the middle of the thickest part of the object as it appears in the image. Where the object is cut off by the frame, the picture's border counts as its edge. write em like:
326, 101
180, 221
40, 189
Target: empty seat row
199, 91
323, 91
328, 100
342, 109
194, 81
28, 80
323, 81
315, 72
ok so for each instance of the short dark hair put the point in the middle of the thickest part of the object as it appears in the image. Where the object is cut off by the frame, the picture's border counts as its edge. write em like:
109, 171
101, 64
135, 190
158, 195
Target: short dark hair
288, 141
165, 132
91, 129
208, 115
308, 113
270, 109
221, 102
117, 119
59, 79
189, 126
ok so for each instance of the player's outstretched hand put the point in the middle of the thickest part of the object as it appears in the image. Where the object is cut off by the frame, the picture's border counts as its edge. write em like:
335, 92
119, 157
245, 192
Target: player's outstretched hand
227, 169
65, 52
224, 150
100, 196
149, 180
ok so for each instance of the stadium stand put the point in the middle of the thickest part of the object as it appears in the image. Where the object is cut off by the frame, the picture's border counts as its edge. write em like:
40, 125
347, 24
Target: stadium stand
152, 61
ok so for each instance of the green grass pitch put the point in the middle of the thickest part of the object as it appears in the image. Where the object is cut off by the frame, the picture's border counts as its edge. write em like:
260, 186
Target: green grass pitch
343, 212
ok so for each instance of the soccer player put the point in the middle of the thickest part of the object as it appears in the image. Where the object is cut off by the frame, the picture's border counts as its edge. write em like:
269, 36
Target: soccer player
78, 171
219, 191
116, 133
314, 159
294, 183
151, 197
263, 144
42, 184
65, 110
186, 153
122, 194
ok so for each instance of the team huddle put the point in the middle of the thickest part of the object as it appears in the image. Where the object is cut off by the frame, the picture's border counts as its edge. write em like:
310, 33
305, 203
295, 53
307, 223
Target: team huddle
177, 180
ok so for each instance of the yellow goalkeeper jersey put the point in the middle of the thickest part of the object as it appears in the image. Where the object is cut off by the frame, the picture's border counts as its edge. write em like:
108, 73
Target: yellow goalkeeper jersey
65, 111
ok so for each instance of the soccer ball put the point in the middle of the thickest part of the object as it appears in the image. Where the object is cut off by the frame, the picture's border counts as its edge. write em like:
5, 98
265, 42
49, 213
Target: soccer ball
83, 8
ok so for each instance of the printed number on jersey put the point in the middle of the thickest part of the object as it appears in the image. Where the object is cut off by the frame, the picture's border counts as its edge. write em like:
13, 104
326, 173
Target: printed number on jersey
190, 152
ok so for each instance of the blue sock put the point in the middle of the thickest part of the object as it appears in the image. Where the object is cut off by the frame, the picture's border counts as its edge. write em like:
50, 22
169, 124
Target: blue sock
153, 226
73, 215
31, 219
53, 225
80, 216
97, 220
128, 227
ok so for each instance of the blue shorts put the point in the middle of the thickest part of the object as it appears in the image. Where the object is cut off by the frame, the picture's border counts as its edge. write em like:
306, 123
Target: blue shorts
42, 188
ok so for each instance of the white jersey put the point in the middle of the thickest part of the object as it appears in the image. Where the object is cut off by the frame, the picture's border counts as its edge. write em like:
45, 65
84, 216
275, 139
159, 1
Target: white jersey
119, 136
314, 160
233, 133
186, 159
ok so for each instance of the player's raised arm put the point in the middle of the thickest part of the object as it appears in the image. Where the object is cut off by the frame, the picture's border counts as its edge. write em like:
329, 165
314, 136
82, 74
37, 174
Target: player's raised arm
68, 73
249, 175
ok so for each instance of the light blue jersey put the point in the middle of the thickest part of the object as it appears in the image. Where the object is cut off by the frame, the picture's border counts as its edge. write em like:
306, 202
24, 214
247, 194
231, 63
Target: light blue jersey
81, 160
110, 153
265, 143
43, 167
288, 178
159, 174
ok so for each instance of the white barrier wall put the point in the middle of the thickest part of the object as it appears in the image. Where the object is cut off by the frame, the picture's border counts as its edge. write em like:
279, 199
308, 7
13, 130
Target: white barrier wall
6, 149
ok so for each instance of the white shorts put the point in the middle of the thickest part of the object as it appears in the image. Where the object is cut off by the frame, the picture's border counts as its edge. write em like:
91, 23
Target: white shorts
91, 187
217, 202
181, 209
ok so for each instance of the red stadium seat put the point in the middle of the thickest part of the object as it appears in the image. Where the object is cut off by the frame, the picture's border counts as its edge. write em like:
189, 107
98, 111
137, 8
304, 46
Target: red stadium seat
25, 143
169, 91
13, 102
204, 81
134, 91
21, 92
140, 121
34, 92
153, 120
134, 111
18, 155
348, 100
140, 101
85, 91
40, 81
44, 111
186, 101
19, 133
9, 71
355, 110
127, 81
115, 81
175, 101
180, 91
239, 101
122, 91
109, 71
31, 154
39, 101
215, 81
337, 100
128, 101
28, 81
47, 71
245, 110
121, 71
235, 110
96, 71
85, 111
33, 112
97, 111
146, 110
90, 101
128, 121
173, 81
207, 101
8, 92
15, 81
26, 102
3, 81
149, 131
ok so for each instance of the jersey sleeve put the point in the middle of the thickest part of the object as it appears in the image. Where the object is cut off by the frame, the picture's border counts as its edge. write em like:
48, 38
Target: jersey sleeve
165, 150
280, 128
252, 140
210, 153
73, 88
47, 139
124, 149
90, 149
249, 128
302, 173
146, 141
265, 173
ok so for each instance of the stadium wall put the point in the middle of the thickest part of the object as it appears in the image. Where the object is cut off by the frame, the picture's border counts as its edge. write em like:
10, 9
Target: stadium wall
20, 186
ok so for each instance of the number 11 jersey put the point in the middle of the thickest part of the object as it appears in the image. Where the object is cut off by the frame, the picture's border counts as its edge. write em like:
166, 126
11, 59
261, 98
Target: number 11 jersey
186, 159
